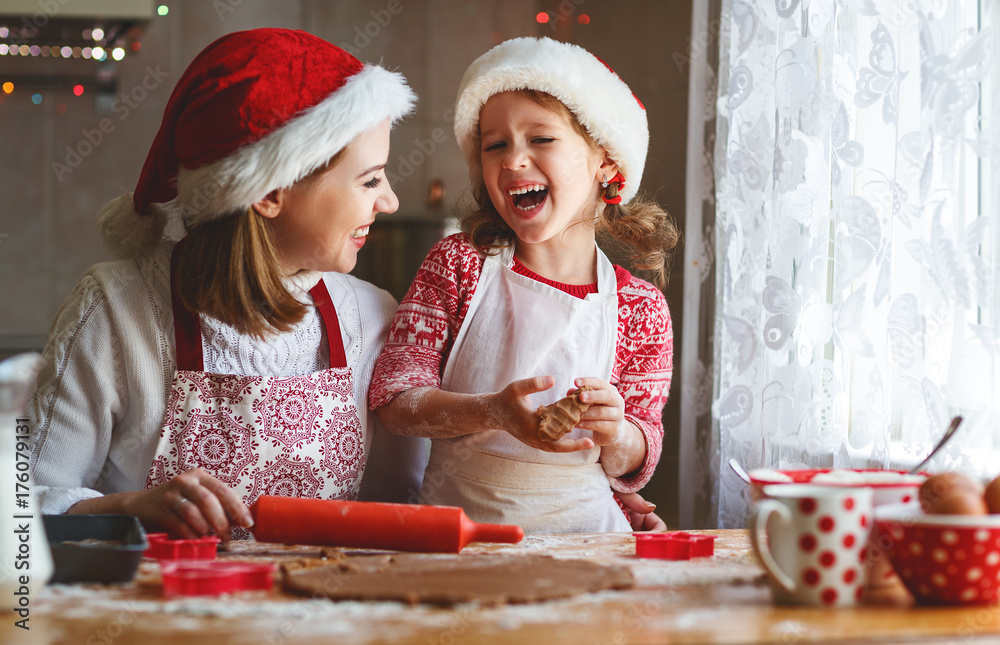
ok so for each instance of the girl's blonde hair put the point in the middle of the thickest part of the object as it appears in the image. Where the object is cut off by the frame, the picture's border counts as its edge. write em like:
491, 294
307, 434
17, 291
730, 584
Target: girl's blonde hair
229, 269
640, 231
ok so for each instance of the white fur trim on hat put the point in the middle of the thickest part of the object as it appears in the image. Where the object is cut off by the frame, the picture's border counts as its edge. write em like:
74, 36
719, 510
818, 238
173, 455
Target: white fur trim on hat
601, 101
299, 147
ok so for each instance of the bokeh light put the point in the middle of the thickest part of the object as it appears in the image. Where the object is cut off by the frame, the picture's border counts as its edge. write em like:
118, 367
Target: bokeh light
542, 17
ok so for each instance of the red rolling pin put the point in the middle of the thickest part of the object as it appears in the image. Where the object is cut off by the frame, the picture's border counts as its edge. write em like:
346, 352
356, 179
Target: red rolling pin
374, 525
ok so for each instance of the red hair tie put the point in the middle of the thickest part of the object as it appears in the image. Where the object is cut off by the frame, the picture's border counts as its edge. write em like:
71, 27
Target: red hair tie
617, 179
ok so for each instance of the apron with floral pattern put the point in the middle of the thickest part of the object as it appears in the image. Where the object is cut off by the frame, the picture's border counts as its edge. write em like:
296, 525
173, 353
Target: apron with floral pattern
294, 436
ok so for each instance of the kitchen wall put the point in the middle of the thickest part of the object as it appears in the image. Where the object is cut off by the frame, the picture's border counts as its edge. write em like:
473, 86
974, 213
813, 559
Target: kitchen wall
62, 159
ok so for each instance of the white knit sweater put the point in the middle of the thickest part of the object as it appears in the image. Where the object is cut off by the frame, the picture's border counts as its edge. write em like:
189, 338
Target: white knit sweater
100, 399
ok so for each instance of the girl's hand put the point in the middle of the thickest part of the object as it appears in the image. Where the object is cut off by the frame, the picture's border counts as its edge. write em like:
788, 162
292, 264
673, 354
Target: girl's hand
623, 446
512, 410
606, 415
189, 505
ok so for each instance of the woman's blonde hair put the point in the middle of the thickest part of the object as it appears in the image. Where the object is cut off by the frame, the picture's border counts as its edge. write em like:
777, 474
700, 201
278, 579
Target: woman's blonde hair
229, 269
640, 231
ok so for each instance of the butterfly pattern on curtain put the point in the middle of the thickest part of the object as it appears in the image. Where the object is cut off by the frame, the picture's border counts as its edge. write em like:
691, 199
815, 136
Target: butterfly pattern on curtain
854, 150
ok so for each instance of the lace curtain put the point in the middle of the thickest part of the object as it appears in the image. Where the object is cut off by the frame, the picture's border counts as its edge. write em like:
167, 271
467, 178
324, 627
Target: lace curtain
841, 242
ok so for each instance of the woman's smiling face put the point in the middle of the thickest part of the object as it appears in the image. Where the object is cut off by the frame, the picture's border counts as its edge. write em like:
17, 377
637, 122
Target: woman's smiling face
541, 174
321, 222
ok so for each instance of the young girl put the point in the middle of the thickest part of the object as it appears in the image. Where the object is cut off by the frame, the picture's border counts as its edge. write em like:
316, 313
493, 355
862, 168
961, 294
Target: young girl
523, 307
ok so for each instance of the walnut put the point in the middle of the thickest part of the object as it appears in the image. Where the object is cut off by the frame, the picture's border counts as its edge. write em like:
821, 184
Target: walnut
562, 416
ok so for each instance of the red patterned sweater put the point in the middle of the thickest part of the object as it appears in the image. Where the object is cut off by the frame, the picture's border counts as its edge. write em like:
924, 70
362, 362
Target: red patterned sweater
431, 314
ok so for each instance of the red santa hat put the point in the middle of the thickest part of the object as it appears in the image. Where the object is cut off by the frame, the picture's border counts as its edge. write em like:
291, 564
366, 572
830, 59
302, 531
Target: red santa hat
255, 111
600, 100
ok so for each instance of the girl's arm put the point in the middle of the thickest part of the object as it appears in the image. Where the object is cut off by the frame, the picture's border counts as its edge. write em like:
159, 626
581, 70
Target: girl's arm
623, 445
405, 390
432, 412
629, 414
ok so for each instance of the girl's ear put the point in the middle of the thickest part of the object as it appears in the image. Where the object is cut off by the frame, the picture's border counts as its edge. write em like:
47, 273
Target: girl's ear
608, 167
271, 205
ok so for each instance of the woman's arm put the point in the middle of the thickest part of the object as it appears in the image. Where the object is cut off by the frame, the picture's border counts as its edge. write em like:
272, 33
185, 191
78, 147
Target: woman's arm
191, 504
75, 400
77, 411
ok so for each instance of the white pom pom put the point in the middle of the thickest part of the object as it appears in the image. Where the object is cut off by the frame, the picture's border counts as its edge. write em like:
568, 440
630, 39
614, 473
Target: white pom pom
125, 232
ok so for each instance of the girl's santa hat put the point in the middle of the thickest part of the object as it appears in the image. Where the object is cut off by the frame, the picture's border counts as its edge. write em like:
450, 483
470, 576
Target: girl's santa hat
255, 111
585, 84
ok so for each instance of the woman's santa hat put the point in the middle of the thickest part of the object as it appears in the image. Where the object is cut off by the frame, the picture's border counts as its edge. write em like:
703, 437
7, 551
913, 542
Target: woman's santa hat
255, 111
600, 100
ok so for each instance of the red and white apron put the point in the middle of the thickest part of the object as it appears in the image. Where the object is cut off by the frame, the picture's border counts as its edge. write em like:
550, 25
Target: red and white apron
516, 328
295, 436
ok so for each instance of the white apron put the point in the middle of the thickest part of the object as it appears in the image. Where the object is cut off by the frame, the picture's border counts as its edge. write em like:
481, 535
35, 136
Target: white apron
297, 436
517, 328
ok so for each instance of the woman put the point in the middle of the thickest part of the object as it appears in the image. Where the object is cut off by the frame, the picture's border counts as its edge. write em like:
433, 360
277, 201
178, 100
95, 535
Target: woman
187, 379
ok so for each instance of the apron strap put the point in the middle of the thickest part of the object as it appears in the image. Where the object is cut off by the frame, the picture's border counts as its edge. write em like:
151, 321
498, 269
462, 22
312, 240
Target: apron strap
321, 296
187, 328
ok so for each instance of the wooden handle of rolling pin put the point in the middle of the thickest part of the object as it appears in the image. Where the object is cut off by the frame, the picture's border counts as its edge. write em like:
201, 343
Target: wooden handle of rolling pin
402, 527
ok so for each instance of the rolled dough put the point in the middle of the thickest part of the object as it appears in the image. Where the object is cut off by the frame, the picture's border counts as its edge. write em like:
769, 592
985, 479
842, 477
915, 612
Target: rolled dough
449, 580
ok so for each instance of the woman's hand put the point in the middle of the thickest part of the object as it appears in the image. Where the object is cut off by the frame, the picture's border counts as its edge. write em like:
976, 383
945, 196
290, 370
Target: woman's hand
189, 505
640, 513
512, 410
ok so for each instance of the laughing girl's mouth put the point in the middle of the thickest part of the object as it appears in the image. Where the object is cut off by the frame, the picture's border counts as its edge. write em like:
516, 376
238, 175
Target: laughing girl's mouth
527, 198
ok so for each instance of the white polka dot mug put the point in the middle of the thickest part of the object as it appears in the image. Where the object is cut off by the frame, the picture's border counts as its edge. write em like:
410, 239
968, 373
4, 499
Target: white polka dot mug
815, 546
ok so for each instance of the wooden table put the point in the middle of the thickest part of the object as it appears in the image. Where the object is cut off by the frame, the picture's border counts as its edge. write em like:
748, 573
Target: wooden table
722, 599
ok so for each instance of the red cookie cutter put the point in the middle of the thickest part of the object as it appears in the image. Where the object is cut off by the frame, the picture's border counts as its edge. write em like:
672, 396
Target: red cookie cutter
161, 547
674, 545
212, 578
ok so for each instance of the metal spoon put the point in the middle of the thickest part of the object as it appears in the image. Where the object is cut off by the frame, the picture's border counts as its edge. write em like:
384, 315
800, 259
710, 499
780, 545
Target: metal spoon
738, 469
948, 434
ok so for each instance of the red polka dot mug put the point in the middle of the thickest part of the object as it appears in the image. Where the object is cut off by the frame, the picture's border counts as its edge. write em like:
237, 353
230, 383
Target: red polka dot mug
811, 540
